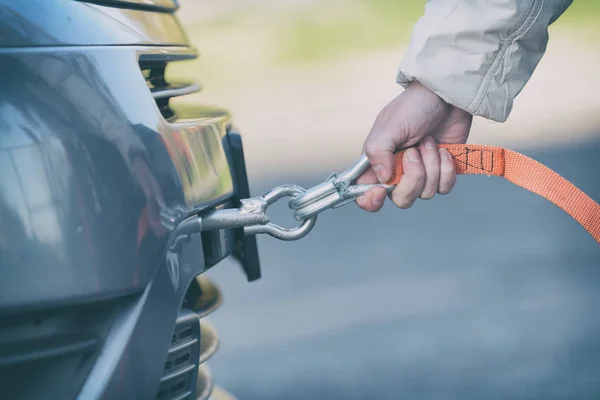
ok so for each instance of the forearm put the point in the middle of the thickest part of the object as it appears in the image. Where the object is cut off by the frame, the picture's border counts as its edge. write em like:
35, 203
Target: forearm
479, 54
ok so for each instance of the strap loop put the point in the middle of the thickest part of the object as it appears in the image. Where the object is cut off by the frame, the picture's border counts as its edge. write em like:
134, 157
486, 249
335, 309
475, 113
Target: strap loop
524, 172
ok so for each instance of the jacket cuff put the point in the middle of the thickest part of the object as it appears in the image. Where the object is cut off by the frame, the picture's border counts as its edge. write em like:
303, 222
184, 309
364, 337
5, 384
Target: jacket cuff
478, 57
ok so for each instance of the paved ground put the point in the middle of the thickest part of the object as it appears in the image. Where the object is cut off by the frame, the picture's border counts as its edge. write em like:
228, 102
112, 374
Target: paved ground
490, 292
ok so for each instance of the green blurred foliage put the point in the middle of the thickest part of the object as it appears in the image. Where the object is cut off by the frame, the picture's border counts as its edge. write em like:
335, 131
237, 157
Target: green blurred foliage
583, 14
361, 25
248, 39
375, 24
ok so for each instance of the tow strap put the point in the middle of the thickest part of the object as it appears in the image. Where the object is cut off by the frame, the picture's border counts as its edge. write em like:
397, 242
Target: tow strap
524, 172
340, 189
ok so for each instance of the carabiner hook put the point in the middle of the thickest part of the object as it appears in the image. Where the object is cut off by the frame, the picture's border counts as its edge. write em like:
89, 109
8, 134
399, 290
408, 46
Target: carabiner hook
331, 185
252, 216
336, 191
275, 230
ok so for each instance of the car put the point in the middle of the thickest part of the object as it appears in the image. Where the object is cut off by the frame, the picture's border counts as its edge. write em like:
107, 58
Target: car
98, 170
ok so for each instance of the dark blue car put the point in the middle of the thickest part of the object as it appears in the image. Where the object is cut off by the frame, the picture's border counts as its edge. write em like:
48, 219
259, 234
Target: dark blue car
97, 170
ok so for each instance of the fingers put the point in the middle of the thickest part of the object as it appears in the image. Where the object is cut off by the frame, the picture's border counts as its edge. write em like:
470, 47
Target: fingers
412, 182
447, 172
415, 116
402, 123
379, 149
426, 171
373, 199
431, 161
386, 134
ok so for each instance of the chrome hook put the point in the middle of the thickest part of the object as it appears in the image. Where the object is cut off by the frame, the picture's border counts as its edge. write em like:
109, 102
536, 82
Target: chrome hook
251, 216
275, 230
336, 191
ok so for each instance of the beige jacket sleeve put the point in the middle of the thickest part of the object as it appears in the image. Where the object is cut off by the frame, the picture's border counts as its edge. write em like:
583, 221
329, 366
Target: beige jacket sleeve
478, 54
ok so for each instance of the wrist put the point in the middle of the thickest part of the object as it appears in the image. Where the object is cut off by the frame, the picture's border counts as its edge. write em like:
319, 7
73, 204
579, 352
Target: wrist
427, 96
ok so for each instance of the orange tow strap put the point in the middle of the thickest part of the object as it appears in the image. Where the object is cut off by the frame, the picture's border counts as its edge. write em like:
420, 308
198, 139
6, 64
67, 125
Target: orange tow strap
525, 172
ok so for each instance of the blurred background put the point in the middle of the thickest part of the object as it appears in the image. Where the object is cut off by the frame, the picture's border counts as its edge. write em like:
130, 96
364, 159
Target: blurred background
489, 292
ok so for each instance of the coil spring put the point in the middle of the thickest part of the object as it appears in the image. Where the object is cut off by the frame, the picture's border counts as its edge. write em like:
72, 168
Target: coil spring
207, 300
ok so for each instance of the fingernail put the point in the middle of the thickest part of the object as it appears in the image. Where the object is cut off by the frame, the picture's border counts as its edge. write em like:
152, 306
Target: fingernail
429, 143
413, 155
381, 173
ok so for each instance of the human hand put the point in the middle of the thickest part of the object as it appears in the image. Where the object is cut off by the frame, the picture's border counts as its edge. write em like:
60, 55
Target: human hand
416, 116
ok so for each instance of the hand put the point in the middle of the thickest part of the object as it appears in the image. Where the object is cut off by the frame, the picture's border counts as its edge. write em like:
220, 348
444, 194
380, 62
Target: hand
416, 116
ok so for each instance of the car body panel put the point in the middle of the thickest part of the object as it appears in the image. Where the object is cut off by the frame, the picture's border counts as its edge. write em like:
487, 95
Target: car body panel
88, 162
74, 23
95, 178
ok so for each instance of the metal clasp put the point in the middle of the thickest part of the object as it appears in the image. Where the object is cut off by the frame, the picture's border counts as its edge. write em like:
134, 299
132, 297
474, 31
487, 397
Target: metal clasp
271, 229
251, 216
336, 191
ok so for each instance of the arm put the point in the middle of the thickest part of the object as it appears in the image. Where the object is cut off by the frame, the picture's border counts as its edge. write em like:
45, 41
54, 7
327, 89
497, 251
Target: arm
465, 58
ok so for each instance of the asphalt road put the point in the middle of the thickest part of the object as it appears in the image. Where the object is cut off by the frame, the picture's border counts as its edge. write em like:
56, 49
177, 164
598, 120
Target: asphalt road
490, 292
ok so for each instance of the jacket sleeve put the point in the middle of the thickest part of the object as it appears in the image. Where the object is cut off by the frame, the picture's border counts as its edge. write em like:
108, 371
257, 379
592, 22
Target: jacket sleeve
479, 54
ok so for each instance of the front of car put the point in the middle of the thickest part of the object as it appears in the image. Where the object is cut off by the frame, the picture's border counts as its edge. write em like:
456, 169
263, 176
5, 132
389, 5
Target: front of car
98, 170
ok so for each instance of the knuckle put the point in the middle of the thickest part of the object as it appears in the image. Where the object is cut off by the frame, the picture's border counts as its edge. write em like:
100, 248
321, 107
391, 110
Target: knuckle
423, 148
371, 149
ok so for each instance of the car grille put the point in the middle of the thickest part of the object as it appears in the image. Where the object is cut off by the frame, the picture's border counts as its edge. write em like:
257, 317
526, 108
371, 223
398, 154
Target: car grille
53, 349
193, 342
153, 66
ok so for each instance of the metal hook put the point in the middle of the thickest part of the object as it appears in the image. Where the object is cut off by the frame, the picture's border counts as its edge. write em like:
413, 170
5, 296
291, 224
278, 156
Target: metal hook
275, 230
336, 191
252, 216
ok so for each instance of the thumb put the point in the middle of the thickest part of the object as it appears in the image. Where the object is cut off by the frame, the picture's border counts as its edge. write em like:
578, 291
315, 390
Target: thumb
379, 149
403, 122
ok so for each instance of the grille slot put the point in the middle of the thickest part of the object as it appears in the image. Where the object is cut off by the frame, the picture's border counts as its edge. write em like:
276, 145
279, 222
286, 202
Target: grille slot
154, 68
181, 356
193, 342
177, 384
172, 90
45, 348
